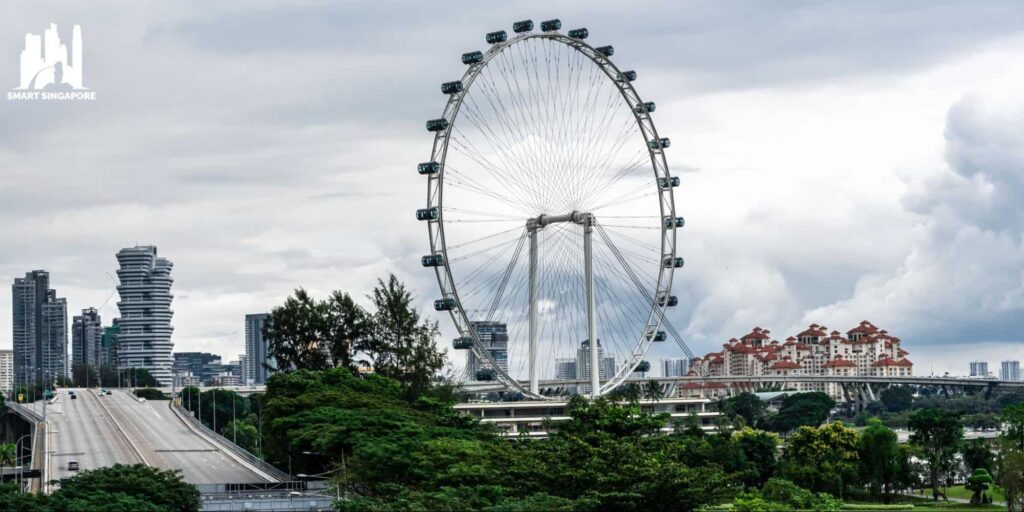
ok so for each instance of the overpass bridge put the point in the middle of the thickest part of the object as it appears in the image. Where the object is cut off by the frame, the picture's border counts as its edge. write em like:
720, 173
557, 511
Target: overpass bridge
854, 388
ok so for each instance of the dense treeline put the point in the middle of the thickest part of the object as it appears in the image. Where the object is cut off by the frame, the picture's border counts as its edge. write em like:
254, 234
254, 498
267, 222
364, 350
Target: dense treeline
391, 440
118, 488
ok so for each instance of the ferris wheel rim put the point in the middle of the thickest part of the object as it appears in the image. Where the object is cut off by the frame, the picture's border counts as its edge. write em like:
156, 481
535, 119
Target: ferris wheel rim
666, 199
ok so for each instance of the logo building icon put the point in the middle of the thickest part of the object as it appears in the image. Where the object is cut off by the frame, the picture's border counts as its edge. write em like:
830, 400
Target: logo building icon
46, 64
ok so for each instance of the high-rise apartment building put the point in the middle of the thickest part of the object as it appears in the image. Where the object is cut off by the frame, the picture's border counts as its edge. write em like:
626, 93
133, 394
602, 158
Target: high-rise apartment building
87, 339
1009, 370
493, 337
40, 330
675, 367
145, 306
6, 370
979, 368
258, 362
565, 369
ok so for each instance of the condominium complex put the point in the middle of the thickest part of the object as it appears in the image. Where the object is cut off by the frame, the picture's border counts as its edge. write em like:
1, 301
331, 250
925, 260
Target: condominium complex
87, 339
674, 367
1009, 370
144, 340
6, 370
979, 368
40, 330
493, 337
258, 363
606, 365
865, 350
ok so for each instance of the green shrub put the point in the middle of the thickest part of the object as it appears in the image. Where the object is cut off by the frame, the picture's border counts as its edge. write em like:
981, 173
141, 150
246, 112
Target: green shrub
877, 506
753, 502
150, 394
786, 492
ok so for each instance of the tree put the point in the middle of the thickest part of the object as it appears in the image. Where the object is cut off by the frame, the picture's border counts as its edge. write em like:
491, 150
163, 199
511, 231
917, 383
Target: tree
84, 375
822, 458
1013, 417
8, 455
1011, 478
295, 333
759, 448
244, 434
652, 390
976, 454
978, 482
879, 458
938, 434
744, 405
400, 346
120, 487
802, 409
150, 394
138, 377
897, 398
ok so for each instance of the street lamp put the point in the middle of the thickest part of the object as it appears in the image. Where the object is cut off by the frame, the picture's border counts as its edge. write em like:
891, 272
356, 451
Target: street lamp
18, 455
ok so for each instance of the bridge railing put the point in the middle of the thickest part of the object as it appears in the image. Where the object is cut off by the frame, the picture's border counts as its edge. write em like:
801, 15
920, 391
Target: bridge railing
237, 450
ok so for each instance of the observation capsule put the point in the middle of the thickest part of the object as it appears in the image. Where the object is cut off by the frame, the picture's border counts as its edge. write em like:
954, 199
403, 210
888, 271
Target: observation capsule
451, 87
659, 336
522, 26
432, 260
676, 262
661, 143
642, 366
437, 125
667, 183
472, 57
674, 222
551, 25
445, 304
579, 33
607, 51
497, 37
670, 301
462, 343
644, 107
427, 214
486, 374
629, 76
429, 168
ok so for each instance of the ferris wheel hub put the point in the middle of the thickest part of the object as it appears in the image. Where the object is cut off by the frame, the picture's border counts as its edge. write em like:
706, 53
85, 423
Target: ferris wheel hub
576, 217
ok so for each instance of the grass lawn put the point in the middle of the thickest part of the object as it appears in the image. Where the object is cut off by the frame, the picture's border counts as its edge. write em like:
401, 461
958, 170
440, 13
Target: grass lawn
960, 492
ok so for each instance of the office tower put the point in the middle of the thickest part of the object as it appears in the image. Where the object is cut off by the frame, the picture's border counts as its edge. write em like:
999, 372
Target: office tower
257, 354
6, 370
493, 337
86, 339
606, 368
202, 366
675, 367
1010, 370
145, 306
243, 370
565, 369
979, 368
40, 335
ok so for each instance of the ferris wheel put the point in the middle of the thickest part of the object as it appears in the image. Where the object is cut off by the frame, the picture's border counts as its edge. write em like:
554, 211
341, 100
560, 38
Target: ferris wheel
551, 214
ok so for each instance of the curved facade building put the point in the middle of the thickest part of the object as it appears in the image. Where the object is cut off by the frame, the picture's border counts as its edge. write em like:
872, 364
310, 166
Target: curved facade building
144, 340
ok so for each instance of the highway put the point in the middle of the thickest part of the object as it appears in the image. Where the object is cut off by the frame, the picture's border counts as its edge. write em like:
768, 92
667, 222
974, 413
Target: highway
101, 431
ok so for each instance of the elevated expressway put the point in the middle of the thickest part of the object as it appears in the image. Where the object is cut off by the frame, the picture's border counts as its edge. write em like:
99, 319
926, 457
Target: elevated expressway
853, 385
98, 431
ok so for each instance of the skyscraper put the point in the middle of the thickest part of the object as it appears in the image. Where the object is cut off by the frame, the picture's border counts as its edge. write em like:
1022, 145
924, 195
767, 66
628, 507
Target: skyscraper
108, 345
256, 350
979, 368
565, 369
494, 338
145, 306
6, 370
40, 325
675, 367
606, 367
1010, 370
87, 339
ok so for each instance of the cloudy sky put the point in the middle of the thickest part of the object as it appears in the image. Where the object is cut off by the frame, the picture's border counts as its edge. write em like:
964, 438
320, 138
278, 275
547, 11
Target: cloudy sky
840, 161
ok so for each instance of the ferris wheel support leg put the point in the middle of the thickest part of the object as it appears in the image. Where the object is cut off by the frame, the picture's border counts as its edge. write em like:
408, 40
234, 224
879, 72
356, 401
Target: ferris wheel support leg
534, 382
588, 256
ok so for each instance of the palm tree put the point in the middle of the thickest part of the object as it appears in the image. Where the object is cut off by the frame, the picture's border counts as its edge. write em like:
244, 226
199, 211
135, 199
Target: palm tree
652, 390
8, 453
